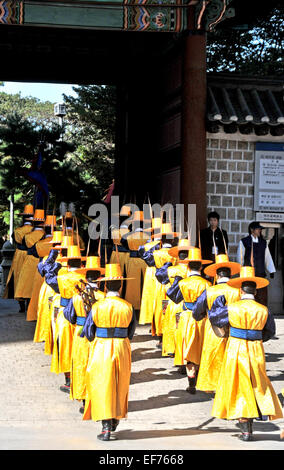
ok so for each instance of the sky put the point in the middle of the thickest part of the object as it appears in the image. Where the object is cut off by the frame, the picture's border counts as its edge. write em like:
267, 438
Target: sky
43, 91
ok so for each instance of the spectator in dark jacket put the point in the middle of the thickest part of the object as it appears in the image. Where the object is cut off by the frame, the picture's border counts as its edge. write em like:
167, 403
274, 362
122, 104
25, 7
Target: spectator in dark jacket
214, 240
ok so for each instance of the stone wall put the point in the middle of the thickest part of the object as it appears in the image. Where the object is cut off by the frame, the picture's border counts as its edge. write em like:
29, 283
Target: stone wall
230, 182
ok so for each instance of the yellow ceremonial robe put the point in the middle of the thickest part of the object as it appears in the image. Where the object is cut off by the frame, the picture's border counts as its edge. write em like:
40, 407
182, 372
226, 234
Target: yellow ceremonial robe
109, 366
213, 346
80, 352
169, 321
189, 334
26, 278
46, 295
18, 259
51, 325
43, 248
161, 257
120, 257
135, 268
44, 331
64, 331
243, 383
148, 292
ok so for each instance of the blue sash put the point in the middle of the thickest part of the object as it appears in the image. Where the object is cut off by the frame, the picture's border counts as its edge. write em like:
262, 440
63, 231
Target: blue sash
112, 332
21, 246
81, 321
63, 302
32, 251
121, 249
188, 305
250, 335
134, 254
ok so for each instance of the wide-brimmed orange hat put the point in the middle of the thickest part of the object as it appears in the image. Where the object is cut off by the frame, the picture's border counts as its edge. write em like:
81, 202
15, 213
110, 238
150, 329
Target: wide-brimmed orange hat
50, 220
39, 215
194, 254
67, 215
125, 211
156, 224
113, 273
247, 273
138, 216
93, 263
57, 236
222, 261
66, 240
28, 210
183, 245
166, 229
73, 252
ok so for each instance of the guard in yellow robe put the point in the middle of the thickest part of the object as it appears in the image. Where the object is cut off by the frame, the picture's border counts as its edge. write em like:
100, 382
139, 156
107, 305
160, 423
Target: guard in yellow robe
66, 285
244, 392
136, 266
166, 275
109, 327
26, 278
46, 293
42, 249
214, 344
190, 333
76, 312
69, 225
120, 253
19, 255
161, 256
52, 298
148, 292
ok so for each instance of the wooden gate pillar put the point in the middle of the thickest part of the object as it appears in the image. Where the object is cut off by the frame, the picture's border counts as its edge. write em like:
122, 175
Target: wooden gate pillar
193, 155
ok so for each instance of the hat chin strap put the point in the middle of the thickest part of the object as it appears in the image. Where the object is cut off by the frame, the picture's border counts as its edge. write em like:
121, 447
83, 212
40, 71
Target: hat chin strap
94, 285
112, 293
223, 279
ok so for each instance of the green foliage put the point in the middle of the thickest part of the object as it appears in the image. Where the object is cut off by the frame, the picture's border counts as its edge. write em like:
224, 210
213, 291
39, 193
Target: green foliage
78, 167
20, 144
258, 51
32, 109
91, 126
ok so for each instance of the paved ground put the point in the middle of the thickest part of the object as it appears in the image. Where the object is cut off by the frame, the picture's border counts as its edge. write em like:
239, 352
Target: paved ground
36, 415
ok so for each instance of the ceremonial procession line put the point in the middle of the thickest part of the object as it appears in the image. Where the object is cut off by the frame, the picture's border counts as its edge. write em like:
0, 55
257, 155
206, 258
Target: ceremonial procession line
202, 358
36, 415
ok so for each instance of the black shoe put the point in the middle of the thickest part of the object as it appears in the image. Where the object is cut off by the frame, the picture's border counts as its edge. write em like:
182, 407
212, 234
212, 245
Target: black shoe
65, 388
22, 306
182, 370
114, 424
245, 436
246, 428
191, 385
106, 429
82, 408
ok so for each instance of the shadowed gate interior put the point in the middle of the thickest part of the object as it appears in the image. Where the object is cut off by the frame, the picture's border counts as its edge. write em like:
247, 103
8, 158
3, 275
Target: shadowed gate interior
153, 52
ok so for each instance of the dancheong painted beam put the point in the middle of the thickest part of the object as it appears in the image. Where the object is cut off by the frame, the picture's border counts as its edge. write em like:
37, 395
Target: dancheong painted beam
122, 15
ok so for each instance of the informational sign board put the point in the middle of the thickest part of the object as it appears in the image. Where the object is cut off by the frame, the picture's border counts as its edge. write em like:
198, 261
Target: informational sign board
273, 217
269, 177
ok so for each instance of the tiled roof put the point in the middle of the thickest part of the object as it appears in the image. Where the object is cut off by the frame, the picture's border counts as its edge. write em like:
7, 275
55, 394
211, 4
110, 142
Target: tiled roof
246, 104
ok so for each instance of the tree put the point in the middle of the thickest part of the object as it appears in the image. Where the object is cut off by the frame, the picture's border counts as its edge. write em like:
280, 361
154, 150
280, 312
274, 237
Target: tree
32, 109
22, 142
256, 51
91, 118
